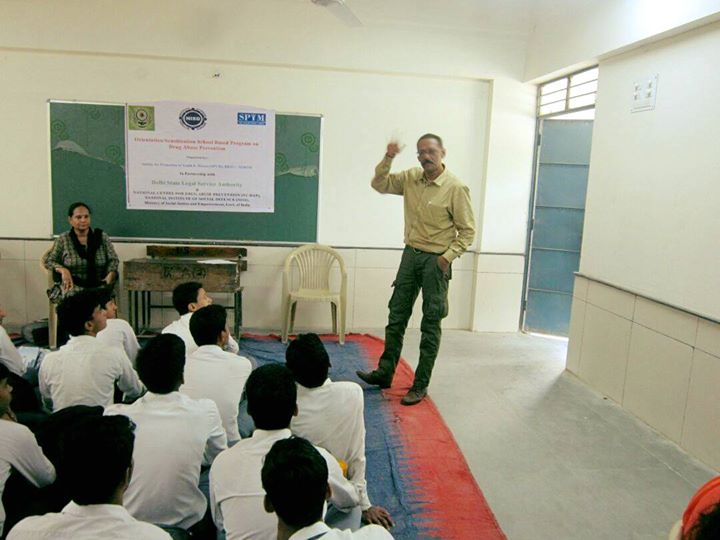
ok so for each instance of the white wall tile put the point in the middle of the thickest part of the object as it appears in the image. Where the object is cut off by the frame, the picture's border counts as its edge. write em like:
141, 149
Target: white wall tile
12, 291
35, 249
373, 289
604, 348
581, 287
708, 337
611, 299
379, 258
577, 324
12, 250
460, 300
500, 264
35, 287
702, 416
267, 255
497, 302
665, 320
658, 376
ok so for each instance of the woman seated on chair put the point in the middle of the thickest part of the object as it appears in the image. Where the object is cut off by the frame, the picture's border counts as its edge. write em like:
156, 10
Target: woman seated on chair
80, 258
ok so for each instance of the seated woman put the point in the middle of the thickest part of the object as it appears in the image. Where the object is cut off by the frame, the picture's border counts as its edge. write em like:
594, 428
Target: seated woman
82, 257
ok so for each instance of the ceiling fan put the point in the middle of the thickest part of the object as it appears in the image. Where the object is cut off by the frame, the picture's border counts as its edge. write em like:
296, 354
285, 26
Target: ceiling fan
340, 9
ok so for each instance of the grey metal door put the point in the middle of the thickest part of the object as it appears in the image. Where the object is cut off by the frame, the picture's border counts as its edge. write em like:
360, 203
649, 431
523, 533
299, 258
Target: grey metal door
557, 223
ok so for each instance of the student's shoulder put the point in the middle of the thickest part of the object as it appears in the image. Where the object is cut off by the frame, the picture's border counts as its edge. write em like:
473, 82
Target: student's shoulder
12, 431
348, 388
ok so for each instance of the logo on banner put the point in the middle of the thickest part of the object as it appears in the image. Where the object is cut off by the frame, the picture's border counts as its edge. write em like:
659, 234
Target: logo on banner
141, 117
193, 118
251, 118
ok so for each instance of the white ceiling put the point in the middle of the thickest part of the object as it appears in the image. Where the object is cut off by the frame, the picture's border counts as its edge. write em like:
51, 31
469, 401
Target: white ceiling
496, 17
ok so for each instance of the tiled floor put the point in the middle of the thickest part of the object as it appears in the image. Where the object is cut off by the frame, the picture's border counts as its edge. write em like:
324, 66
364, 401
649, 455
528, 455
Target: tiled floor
554, 459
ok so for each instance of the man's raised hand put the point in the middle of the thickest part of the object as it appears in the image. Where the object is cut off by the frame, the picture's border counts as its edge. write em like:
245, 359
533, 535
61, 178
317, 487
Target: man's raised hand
393, 149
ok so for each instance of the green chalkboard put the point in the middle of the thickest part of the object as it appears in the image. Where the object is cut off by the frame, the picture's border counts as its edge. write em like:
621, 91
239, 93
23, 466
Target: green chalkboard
87, 148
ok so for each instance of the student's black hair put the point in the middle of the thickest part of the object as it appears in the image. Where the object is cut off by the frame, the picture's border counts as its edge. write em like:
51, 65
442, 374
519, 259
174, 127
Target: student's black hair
432, 136
76, 310
95, 455
4, 372
707, 526
207, 323
78, 204
105, 294
295, 478
161, 363
308, 360
271, 396
185, 294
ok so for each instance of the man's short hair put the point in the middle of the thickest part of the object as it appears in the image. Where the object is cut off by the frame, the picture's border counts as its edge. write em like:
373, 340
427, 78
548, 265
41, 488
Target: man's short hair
95, 455
308, 360
271, 396
295, 479
105, 295
207, 323
184, 295
432, 136
76, 310
161, 363
707, 526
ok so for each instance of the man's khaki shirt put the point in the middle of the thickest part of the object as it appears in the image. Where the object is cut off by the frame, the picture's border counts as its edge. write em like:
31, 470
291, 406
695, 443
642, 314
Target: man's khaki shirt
438, 215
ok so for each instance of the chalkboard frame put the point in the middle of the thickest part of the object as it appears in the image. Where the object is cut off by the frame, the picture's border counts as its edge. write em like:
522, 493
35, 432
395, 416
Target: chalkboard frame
87, 160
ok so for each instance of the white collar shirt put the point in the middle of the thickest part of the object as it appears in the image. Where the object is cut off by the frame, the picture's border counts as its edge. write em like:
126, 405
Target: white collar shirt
332, 416
84, 372
9, 355
218, 375
119, 333
320, 531
236, 492
20, 451
89, 522
181, 328
174, 436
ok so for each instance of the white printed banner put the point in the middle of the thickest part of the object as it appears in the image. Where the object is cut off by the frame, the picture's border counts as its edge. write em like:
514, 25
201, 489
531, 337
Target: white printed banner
200, 156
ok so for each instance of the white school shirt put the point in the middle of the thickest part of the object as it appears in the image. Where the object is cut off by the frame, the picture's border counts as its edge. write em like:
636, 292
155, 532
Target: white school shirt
181, 328
119, 333
9, 355
84, 372
321, 531
331, 416
174, 436
87, 522
20, 450
220, 376
236, 492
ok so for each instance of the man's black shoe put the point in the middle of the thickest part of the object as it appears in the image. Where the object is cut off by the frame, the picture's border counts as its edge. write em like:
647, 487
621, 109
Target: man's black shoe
372, 377
414, 396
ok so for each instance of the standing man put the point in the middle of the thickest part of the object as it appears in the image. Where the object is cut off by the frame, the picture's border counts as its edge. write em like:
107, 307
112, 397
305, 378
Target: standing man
439, 227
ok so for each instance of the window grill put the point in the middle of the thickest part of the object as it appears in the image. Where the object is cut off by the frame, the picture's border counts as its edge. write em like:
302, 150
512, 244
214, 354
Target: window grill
571, 93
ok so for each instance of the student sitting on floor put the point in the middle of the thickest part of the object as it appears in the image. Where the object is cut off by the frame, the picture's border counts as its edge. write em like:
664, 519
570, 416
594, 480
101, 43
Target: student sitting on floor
117, 332
175, 437
211, 372
188, 298
701, 519
84, 371
9, 355
330, 415
97, 456
236, 493
295, 479
18, 448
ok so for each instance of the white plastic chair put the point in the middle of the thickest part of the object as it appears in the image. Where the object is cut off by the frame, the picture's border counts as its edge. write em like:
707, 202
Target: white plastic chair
313, 263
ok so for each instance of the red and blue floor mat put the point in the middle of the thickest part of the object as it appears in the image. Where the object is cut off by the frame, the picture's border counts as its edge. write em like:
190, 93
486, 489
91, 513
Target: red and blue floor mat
414, 466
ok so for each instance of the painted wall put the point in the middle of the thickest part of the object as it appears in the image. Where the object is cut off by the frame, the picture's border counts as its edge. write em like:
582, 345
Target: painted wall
572, 33
292, 57
651, 217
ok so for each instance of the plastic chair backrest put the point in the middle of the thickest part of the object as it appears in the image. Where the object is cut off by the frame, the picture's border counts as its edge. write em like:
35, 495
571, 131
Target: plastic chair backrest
314, 263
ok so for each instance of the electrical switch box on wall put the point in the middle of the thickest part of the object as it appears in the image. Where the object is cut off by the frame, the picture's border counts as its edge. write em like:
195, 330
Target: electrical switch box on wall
644, 94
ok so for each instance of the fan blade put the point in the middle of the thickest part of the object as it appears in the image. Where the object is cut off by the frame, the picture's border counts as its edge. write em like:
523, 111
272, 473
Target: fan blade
340, 10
